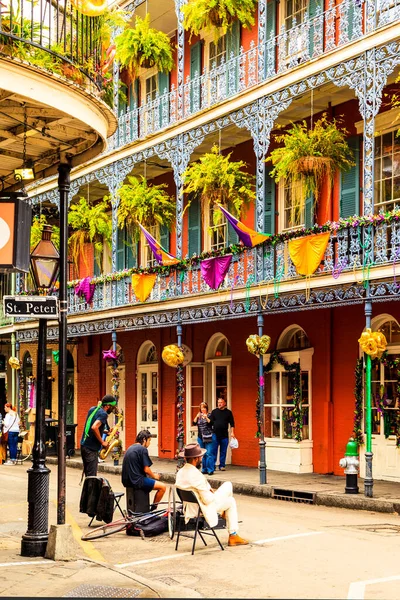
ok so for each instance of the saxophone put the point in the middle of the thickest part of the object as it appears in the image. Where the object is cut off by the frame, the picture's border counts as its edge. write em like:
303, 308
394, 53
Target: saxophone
113, 438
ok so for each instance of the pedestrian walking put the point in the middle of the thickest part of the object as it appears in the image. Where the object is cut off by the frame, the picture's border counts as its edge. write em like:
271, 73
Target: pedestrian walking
205, 438
11, 432
221, 418
92, 441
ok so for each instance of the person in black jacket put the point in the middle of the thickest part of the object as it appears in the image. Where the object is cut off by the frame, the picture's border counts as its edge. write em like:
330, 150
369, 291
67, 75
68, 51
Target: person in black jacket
221, 418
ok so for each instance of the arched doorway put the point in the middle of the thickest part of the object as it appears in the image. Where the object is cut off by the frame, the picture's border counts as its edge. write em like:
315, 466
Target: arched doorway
386, 462
147, 393
121, 391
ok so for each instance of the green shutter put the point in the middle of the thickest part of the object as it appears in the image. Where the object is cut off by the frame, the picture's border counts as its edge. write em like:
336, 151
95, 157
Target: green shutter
164, 237
123, 104
120, 249
131, 255
195, 72
312, 12
163, 89
232, 235
233, 46
350, 184
134, 95
309, 211
194, 226
269, 205
270, 55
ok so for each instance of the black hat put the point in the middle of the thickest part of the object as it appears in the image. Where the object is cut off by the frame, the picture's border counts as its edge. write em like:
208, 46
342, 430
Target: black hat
109, 399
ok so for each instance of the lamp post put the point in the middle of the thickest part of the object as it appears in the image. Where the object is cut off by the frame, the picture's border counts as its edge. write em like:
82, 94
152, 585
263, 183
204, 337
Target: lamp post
44, 268
180, 391
263, 464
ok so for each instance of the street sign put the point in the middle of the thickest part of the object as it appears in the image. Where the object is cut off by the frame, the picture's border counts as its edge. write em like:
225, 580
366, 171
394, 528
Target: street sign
39, 307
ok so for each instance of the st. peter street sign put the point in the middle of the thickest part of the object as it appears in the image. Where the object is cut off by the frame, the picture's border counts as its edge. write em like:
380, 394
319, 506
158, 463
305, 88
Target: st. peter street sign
39, 307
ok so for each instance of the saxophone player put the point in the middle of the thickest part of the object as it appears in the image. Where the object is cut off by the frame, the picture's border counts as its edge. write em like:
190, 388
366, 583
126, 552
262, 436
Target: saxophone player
92, 440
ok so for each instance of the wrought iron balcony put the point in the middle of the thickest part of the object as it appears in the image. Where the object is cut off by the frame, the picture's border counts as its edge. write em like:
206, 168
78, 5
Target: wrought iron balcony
51, 35
329, 30
352, 247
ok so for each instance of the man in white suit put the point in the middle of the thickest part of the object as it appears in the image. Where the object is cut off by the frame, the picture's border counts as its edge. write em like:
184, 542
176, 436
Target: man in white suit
221, 501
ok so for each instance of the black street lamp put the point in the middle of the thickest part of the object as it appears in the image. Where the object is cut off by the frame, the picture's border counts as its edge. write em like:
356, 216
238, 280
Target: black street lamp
44, 269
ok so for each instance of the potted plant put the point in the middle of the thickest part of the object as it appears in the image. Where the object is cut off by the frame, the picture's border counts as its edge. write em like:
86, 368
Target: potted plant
91, 224
146, 204
310, 156
38, 222
215, 178
142, 46
217, 14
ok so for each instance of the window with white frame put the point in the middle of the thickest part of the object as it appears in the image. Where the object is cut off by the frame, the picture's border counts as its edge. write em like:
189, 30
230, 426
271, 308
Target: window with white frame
151, 88
292, 211
216, 57
279, 404
387, 171
217, 233
147, 257
294, 338
294, 12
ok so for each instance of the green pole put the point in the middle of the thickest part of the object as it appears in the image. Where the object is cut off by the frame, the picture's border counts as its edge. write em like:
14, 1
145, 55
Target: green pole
368, 408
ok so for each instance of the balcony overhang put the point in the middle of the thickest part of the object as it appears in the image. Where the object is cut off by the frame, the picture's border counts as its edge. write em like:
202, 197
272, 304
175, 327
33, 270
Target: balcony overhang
62, 118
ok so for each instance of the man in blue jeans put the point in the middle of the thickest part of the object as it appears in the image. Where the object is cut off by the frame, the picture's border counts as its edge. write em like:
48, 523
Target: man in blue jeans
220, 420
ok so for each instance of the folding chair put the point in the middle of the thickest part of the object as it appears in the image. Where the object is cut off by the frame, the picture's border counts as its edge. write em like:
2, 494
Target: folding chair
117, 498
187, 496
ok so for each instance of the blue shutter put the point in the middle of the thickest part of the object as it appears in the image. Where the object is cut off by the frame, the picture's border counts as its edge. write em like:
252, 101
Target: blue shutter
233, 47
270, 52
123, 104
164, 237
269, 205
194, 227
309, 211
195, 73
232, 235
312, 11
350, 184
120, 249
133, 105
163, 89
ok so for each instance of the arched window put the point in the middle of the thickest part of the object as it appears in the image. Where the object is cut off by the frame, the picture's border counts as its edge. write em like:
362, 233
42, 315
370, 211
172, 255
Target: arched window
218, 357
387, 325
293, 338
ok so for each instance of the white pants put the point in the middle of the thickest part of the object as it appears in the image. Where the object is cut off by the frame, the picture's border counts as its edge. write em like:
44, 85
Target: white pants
224, 501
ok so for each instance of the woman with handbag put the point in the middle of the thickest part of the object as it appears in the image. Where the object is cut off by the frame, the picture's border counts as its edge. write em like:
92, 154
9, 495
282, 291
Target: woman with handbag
205, 438
11, 432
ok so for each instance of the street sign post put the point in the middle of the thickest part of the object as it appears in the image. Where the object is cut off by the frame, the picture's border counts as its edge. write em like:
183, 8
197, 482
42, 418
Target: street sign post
38, 307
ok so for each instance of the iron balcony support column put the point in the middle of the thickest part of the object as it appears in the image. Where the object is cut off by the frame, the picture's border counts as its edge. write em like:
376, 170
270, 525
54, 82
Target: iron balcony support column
179, 390
34, 541
368, 481
64, 171
262, 443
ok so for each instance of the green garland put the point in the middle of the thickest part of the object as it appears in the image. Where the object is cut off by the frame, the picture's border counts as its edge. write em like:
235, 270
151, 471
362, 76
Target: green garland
235, 249
297, 415
258, 411
358, 394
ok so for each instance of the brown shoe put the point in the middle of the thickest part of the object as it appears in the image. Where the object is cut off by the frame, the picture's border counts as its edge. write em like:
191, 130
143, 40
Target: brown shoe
236, 540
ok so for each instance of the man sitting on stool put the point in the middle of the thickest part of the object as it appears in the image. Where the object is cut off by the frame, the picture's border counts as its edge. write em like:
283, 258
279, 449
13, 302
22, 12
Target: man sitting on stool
136, 471
211, 503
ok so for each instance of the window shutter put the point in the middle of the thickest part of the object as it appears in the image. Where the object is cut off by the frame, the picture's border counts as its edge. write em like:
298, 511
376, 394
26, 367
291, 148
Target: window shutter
309, 211
312, 12
195, 72
232, 235
120, 249
269, 201
270, 55
163, 89
194, 226
134, 95
123, 104
233, 46
164, 237
350, 184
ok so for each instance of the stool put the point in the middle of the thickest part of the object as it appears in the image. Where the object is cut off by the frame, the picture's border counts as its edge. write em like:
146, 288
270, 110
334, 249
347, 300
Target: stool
137, 501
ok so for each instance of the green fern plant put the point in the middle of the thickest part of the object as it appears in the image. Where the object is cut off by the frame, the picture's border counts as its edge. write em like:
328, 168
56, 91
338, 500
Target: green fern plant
38, 223
146, 204
142, 46
91, 224
309, 156
215, 178
217, 14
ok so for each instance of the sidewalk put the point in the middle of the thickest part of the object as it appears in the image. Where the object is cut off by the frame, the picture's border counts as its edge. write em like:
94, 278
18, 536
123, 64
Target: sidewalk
312, 488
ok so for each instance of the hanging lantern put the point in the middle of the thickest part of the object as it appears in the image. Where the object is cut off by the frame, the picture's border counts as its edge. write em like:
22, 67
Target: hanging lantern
172, 355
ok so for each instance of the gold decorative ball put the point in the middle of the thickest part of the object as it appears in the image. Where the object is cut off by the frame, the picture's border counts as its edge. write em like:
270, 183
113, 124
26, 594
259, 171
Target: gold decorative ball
172, 355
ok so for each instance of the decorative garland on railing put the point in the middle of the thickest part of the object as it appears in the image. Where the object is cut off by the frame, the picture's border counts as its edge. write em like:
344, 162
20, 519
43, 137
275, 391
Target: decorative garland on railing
297, 414
21, 400
186, 264
258, 410
180, 391
380, 403
358, 394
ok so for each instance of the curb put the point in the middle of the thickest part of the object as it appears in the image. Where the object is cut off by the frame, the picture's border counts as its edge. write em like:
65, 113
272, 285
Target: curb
332, 499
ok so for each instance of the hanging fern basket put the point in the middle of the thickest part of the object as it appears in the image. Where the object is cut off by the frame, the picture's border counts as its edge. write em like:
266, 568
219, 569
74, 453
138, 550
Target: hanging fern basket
216, 20
146, 62
311, 164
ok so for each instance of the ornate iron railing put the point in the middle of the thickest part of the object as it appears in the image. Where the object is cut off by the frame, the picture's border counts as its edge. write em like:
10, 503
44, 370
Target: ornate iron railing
52, 35
355, 248
333, 28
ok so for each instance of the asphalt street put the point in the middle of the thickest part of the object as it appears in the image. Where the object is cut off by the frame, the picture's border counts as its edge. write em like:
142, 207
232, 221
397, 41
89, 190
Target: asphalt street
296, 550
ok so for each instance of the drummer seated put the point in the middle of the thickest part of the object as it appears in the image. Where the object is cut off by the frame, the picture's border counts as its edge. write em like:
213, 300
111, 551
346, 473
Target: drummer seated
136, 469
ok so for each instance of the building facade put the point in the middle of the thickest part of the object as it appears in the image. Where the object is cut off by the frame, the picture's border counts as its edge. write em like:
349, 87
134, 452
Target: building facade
299, 61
